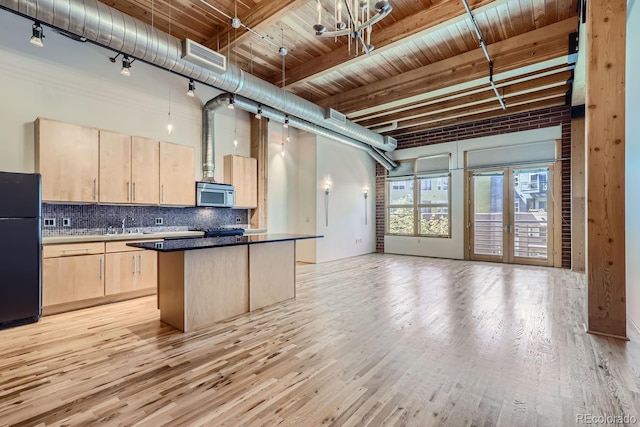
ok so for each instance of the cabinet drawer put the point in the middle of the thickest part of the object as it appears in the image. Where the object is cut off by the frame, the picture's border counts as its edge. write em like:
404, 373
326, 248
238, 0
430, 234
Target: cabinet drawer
72, 249
112, 247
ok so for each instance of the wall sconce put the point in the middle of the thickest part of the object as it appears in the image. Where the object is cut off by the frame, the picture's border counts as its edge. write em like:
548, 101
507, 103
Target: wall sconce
365, 192
327, 187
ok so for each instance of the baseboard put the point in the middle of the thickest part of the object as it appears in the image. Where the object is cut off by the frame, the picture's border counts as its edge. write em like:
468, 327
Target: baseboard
602, 334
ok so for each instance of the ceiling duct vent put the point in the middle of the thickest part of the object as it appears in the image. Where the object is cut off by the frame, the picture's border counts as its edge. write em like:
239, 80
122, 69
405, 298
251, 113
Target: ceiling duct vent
205, 57
390, 140
335, 116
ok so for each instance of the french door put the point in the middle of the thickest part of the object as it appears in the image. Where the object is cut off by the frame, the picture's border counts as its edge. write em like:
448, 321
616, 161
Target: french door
510, 215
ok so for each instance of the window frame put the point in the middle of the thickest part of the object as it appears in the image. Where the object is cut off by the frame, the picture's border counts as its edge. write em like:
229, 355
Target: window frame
417, 204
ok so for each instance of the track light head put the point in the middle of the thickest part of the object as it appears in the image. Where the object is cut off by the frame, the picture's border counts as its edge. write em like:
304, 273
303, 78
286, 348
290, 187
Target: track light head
192, 89
259, 113
286, 122
126, 66
37, 34
232, 102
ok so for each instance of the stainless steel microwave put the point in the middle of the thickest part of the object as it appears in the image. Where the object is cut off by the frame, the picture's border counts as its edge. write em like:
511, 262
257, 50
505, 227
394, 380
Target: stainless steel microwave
215, 195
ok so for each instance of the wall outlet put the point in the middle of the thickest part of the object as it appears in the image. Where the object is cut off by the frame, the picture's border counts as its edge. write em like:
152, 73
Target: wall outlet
238, 220
159, 221
49, 222
66, 222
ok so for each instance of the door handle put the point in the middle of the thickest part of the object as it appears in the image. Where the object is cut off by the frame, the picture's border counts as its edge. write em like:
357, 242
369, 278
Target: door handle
134, 191
134, 265
162, 193
140, 264
128, 191
100, 268
95, 188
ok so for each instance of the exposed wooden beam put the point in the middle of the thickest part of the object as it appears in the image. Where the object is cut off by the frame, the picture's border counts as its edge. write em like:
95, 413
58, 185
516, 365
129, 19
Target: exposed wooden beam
577, 194
260, 16
463, 100
516, 52
488, 105
498, 112
605, 121
260, 151
429, 20
468, 88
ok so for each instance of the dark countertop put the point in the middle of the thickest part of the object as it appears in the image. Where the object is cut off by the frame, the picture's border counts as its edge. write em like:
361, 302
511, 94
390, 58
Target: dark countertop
217, 242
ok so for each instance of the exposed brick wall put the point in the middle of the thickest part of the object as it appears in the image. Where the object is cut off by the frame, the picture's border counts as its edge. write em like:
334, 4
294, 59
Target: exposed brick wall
538, 119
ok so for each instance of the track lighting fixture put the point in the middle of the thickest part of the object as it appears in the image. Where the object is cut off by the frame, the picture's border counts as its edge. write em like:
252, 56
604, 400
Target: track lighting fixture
36, 34
286, 122
126, 63
126, 66
192, 88
259, 113
232, 103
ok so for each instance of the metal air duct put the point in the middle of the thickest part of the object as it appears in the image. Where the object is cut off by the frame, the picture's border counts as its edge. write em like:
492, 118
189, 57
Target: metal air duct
112, 29
223, 100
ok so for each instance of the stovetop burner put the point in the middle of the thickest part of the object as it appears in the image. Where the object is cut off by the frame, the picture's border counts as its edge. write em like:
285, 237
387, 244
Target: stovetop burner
217, 232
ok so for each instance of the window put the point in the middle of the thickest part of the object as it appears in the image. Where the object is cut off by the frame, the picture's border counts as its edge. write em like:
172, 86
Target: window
433, 206
400, 206
428, 215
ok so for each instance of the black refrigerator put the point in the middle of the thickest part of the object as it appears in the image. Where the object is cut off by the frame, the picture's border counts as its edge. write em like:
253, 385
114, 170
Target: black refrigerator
20, 249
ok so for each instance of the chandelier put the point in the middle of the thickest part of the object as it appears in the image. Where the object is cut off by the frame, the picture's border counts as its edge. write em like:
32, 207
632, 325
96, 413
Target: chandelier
356, 20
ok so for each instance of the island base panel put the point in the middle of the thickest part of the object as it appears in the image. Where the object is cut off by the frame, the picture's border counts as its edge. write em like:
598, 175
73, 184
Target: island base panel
216, 285
272, 273
171, 288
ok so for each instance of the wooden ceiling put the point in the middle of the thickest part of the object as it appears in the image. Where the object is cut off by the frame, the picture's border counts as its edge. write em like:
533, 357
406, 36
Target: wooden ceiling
427, 69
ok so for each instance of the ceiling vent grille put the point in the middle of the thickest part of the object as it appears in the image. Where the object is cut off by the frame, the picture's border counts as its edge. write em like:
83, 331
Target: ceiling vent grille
334, 116
205, 57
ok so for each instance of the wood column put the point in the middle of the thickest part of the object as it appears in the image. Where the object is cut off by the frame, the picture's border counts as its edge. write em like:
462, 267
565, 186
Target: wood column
577, 194
605, 132
260, 151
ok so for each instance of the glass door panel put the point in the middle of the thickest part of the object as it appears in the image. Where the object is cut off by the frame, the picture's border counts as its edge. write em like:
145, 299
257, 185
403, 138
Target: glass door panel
530, 226
487, 215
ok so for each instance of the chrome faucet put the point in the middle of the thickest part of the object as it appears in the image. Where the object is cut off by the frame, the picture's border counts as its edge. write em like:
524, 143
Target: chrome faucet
123, 223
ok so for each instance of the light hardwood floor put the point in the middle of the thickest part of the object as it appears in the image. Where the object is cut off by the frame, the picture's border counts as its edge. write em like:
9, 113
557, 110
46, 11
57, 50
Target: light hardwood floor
372, 340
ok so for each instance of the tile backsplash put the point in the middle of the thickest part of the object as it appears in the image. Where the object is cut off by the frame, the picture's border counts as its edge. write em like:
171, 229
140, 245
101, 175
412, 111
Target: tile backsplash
96, 219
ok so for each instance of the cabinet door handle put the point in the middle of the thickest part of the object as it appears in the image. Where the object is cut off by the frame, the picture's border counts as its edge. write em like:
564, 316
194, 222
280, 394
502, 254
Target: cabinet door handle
134, 191
128, 191
134, 265
100, 268
140, 264
162, 193
95, 188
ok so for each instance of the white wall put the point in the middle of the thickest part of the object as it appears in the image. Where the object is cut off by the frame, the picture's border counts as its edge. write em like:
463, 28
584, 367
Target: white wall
282, 194
350, 170
633, 163
454, 246
307, 197
76, 83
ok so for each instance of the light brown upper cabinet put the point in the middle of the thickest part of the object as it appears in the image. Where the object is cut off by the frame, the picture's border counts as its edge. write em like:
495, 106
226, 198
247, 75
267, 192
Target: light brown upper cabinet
177, 175
129, 169
145, 171
242, 173
115, 167
66, 156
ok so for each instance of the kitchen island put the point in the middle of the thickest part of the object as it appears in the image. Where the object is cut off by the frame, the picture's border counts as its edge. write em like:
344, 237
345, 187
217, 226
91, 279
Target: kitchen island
204, 280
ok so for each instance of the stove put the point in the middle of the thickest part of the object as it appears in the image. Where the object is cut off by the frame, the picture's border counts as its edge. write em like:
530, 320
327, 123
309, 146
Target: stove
218, 232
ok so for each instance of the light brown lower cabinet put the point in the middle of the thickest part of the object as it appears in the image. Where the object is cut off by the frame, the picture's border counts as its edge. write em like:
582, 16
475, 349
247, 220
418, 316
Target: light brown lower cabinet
72, 278
80, 275
131, 271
